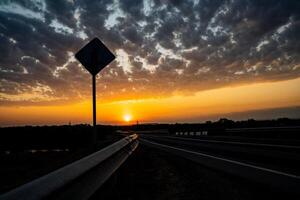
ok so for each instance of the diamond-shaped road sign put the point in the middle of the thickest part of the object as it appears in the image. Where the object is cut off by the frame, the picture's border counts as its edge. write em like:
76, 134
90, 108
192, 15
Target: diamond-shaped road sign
94, 56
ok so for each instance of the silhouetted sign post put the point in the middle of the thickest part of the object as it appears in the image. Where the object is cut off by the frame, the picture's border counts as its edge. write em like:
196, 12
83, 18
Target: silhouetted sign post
94, 57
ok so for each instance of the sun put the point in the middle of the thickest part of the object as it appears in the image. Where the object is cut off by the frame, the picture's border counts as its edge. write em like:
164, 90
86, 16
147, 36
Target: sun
127, 117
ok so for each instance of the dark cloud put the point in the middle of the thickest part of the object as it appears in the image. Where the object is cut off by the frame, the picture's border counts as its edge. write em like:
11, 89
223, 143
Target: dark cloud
162, 46
133, 8
61, 10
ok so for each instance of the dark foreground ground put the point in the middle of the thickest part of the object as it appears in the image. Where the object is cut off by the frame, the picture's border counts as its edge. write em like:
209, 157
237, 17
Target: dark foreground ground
27, 153
22, 166
154, 175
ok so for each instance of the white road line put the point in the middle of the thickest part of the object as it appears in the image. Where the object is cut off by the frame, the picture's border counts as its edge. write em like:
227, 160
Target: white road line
239, 143
226, 160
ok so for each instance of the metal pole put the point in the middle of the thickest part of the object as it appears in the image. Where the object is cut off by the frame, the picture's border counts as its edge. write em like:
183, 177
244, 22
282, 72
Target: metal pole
94, 111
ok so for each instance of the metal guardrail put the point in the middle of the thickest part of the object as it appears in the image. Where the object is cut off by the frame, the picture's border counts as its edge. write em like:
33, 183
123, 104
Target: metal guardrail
80, 179
284, 128
214, 141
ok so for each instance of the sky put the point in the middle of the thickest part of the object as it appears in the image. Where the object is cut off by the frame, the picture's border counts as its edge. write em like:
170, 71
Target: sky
176, 61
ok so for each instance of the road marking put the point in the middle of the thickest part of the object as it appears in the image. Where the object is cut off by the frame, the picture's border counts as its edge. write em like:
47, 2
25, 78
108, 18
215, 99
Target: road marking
239, 143
226, 160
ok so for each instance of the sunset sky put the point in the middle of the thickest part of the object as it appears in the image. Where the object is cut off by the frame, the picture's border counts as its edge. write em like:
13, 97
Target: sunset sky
176, 61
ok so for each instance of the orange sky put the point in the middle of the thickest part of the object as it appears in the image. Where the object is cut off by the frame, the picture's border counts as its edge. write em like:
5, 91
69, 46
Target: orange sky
171, 109
185, 62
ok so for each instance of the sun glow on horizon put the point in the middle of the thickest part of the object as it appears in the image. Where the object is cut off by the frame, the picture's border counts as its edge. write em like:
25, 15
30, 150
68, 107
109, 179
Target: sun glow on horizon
190, 108
127, 117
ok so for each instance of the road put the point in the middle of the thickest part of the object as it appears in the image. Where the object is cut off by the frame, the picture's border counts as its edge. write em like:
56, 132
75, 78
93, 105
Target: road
275, 165
165, 166
169, 167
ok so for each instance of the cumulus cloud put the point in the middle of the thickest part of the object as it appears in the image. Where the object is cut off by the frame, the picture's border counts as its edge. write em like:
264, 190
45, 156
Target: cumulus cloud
165, 46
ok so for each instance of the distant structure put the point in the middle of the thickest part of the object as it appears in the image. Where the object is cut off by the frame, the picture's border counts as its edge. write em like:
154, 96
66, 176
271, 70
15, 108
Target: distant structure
137, 124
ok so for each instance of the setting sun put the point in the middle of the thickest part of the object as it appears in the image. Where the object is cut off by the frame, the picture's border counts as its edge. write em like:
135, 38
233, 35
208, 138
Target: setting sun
127, 117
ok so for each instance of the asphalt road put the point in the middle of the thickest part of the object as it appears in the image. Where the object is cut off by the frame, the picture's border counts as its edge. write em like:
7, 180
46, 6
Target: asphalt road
279, 157
274, 165
152, 174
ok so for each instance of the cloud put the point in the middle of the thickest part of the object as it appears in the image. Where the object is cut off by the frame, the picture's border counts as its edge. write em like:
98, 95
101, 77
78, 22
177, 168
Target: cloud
170, 46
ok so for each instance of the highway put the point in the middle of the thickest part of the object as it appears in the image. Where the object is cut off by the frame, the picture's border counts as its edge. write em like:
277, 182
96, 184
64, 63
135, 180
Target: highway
275, 165
165, 165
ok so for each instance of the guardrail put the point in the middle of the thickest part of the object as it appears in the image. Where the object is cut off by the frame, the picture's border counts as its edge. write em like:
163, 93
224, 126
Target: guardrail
261, 129
78, 180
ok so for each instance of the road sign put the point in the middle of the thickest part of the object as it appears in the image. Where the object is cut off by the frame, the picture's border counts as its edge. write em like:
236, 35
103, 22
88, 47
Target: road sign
94, 56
